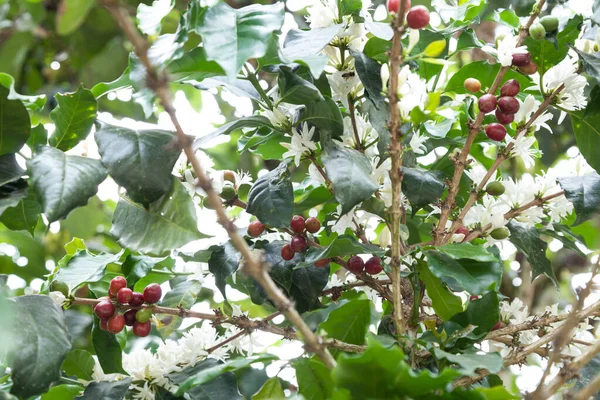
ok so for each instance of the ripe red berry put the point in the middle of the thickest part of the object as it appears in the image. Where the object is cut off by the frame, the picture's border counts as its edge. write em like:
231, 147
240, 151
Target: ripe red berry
497, 326
322, 263
298, 244
496, 132
394, 5
463, 230
287, 253
297, 224
142, 329
473, 297
504, 118
152, 293
373, 265
529, 69
509, 105
105, 309
521, 60
125, 295
418, 17
355, 264
472, 85
104, 325
487, 103
510, 88
137, 299
312, 225
130, 317
115, 324
116, 284
256, 228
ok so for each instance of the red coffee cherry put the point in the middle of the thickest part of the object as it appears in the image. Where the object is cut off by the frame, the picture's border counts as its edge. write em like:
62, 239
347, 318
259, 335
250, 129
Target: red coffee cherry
373, 265
497, 326
115, 324
509, 105
487, 103
287, 253
418, 17
104, 325
496, 132
130, 317
137, 299
511, 88
105, 309
152, 293
463, 230
312, 225
297, 224
125, 295
116, 284
394, 5
322, 263
142, 329
504, 118
521, 60
256, 228
529, 69
298, 244
472, 85
473, 297
355, 264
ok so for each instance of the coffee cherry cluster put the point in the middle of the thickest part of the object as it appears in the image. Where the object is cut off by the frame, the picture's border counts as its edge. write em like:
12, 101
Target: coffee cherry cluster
505, 106
416, 18
524, 64
546, 25
113, 321
299, 226
356, 265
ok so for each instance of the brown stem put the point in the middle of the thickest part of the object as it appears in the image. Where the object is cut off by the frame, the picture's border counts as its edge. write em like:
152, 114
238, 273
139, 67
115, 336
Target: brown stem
351, 110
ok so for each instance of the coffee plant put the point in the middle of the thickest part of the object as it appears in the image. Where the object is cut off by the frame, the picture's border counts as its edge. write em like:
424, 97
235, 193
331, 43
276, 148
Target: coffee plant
325, 199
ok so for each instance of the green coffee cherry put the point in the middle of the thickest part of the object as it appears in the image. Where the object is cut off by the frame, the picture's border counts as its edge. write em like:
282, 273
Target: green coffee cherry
549, 22
500, 233
537, 31
143, 315
228, 192
206, 203
495, 188
59, 286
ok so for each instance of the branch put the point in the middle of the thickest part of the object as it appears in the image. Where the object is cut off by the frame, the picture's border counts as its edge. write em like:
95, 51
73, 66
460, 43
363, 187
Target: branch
254, 265
357, 138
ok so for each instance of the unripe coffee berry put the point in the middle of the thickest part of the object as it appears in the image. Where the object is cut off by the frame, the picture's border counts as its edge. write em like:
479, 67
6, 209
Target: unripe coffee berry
206, 203
142, 329
59, 286
510, 88
500, 233
312, 225
104, 309
355, 265
125, 295
529, 69
504, 118
521, 60
256, 228
495, 188
298, 244
537, 31
297, 224
509, 105
287, 253
116, 284
549, 22
228, 192
496, 132
143, 314
130, 317
394, 5
373, 265
487, 103
418, 17
322, 263
152, 293
137, 299
115, 324
229, 176
472, 85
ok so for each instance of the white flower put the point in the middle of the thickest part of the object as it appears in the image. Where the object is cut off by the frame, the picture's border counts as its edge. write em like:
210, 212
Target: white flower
477, 172
344, 222
58, 298
516, 311
276, 117
365, 131
143, 392
301, 143
314, 174
572, 97
412, 91
523, 147
242, 178
344, 83
417, 143
507, 47
489, 211
322, 14
528, 107
518, 193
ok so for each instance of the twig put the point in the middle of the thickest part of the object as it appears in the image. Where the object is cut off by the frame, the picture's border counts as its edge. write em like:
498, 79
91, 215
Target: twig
254, 265
351, 110
352, 285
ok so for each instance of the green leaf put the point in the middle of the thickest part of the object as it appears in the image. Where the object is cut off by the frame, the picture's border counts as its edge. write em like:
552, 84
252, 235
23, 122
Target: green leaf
150, 17
136, 267
483, 313
584, 193
183, 295
369, 72
350, 173
469, 363
382, 373
224, 261
314, 379
106, 390
350, 7
194, 66
63, 182
102, 88
39, 136
62, 392
80, 364
379, 117
271, 198
485, 73
73, 117
529, 242
84, 267
587, 133
36, 356
168, 223
24, 216
271, 390
475, 277
305, 47
139, 160
213, 370
10, 171
254, 121
72, 14
342, 245
32, 103
232, 36
15, 125
467, 250
444, 302
325, 116
422, 187
350, 323
295, 90
223, 386
108, 350
12, 193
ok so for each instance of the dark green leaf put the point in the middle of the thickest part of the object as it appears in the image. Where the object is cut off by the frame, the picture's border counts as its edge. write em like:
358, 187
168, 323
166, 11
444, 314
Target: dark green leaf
483, 313
80, 364
85, 267
350, 323
63, 182
62, 392
24, 216
168, 223
469, 363
271, 390
32, 103
9, 169
72, 15
444, 302
379, 117
326, 116
12, 193
485, 73
136, 267
253, 121
584, 193
194, 66
296, 90
271, 198
224, 261
139, 160
369, 72
342, 245
314, 379
350, 7
587, 133
468, 250
39, 136
238, 87
108, 350
183, 295
73, 117
422, 187
529, 242
223, 387
106, 390
15, 125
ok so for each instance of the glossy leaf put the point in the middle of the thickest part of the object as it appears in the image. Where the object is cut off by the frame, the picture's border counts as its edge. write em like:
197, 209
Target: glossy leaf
422, 187
271, 390
84, 267
314, 379
483, 313
62, 392
10, 171
150, 17
254, 121
38, 137
224, 261
108, 350
32, 103
296, 90
23, 216
115, 390
136, 267
342, 245
305, 46
72, 14
584, 193
15, 125
80, 364
183, 295
271, 198
587, 133
73, 117
468, 250
485, 73
445, 303
350, 323
325, 116
529, 242
369, 72
12, 193
469, 363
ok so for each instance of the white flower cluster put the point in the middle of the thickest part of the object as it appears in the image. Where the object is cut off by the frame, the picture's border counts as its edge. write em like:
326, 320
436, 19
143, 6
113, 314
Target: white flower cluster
507, 46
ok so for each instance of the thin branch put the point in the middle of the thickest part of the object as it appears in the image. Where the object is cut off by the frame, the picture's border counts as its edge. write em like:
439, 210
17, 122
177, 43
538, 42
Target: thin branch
352, 112
254, 264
